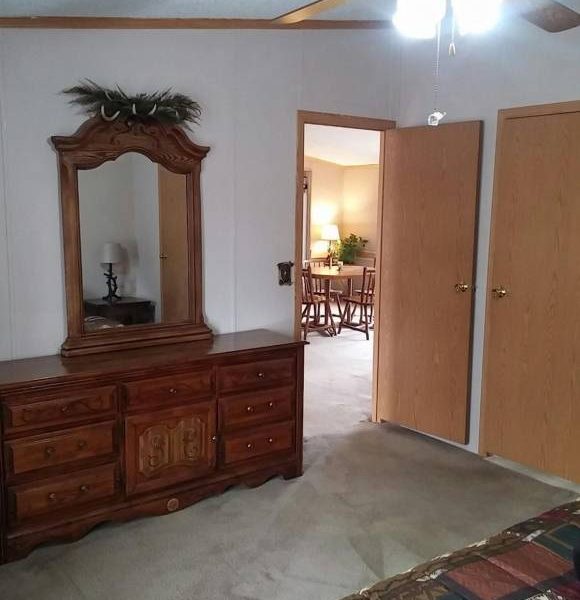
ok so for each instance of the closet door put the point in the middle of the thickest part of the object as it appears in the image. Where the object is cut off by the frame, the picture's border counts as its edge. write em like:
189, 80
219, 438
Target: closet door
173, 244
431, 181
531, 410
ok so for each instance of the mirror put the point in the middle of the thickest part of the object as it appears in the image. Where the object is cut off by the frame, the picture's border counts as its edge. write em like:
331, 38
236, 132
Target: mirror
134, 248
131, 225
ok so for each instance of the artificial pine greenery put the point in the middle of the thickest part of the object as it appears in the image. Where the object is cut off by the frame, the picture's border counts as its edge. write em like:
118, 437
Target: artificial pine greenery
113, 104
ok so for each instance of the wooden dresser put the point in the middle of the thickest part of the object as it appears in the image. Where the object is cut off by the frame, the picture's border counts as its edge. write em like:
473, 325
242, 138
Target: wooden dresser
142, 432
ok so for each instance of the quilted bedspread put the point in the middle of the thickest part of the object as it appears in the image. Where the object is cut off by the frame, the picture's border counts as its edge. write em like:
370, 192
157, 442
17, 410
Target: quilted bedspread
531, 560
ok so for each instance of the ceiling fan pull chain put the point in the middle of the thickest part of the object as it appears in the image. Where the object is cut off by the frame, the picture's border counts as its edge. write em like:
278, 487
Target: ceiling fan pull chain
435, 117
437, 65
452, 48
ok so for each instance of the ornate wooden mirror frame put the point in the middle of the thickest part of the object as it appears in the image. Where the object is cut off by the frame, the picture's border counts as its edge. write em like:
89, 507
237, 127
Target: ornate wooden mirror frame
94, 143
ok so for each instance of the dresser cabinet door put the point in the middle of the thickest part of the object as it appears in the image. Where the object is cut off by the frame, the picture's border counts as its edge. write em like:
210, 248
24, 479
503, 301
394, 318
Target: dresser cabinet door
169, 446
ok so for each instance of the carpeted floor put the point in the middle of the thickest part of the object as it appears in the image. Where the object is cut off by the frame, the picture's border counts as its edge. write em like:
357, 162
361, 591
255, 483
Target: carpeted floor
374, 500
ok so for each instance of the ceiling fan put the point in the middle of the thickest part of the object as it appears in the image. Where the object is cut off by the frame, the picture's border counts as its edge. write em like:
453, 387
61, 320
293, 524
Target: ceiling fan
549, 15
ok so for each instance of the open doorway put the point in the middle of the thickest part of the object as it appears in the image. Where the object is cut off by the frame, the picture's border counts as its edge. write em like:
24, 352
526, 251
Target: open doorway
338, 241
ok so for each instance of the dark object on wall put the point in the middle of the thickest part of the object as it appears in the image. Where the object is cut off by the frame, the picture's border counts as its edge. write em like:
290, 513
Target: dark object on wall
285, 273
87, 440
112, 104
126, 310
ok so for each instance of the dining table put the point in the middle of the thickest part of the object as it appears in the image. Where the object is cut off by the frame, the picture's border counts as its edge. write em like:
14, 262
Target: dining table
335, 273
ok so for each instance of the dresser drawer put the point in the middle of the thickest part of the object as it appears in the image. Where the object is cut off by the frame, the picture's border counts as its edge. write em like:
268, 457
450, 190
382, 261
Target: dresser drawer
82, 443
256, 373
266, 440
40, 410
255, 408
173, 388
61, 493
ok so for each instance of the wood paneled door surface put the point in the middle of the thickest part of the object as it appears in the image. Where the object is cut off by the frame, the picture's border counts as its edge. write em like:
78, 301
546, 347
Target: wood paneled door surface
173, 254
431, 182
531, 405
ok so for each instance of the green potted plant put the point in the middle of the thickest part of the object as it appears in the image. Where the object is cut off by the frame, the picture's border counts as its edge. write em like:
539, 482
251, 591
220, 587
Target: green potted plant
349, 248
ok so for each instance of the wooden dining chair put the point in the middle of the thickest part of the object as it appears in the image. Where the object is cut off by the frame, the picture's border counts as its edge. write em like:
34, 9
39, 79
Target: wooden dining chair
362, 299
312, 302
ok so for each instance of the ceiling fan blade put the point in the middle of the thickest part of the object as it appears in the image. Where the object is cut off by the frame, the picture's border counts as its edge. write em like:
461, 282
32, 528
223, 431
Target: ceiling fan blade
552, 16
308, 11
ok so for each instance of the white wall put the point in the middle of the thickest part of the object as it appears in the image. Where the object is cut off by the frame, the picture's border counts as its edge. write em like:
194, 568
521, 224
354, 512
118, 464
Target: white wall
516, 65
250, 85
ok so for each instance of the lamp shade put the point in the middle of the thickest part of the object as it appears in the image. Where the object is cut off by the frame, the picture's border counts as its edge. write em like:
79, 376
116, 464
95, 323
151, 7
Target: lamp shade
330, 233
112, 252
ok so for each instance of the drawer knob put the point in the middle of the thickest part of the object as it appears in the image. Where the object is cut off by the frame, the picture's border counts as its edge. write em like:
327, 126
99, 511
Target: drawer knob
82, 444
64, 408
172, 391
270, 405
250, 409
250, 446
84, 488
270, 440
49, 451
52, 497
214, 438
261, 375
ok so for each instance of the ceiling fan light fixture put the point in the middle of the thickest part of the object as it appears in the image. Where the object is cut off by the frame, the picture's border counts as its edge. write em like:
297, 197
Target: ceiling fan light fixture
419, 18
475, 16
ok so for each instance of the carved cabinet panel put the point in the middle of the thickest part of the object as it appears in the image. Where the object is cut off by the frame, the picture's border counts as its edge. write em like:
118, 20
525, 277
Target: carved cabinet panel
169, 446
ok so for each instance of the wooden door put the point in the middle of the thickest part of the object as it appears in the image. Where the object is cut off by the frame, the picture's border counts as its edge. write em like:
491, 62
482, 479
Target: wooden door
431, 180
173, 254
532, 361
169, 446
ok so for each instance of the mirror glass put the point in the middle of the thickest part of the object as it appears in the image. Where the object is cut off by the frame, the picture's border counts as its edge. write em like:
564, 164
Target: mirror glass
134, 244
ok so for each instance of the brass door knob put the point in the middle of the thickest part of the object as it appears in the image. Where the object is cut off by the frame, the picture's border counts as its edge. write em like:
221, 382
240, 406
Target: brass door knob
461, 287
499, 292
260, 375
163, 256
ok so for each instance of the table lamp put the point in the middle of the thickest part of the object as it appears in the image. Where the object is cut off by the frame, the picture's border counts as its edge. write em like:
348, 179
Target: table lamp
330, 234
111, 253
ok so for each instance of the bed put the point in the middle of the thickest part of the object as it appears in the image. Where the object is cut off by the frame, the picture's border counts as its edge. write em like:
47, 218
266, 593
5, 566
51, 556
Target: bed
531, 560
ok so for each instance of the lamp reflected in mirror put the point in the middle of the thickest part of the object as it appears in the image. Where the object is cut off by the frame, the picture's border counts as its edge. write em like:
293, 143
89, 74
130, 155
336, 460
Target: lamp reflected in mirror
112, 253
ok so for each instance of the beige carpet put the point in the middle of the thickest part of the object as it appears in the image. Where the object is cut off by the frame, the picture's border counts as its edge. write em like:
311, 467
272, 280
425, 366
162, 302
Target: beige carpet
374, 500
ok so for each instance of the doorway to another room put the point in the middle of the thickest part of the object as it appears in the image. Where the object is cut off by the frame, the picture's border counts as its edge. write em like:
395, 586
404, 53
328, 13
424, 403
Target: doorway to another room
339, 199
414, 370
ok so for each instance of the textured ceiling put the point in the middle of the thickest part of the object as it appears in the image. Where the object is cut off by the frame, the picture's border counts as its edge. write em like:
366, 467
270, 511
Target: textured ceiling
242, 9
343, 146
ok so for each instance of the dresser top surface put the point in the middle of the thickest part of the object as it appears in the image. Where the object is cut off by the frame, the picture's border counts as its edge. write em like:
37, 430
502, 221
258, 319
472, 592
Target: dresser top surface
55, 367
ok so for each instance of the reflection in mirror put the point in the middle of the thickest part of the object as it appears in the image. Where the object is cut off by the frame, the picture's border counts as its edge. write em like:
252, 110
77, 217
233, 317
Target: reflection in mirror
133, 226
